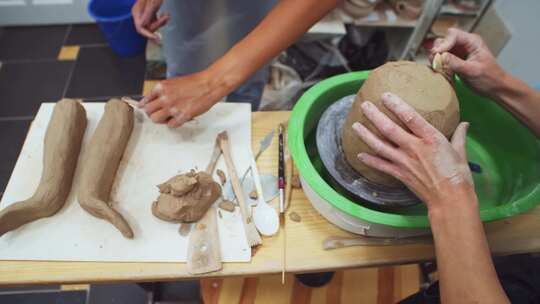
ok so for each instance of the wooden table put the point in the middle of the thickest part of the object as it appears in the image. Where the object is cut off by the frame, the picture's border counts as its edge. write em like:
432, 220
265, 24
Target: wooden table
304, 252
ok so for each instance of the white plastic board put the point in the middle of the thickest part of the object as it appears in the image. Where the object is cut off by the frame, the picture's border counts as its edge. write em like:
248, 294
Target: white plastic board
154, 154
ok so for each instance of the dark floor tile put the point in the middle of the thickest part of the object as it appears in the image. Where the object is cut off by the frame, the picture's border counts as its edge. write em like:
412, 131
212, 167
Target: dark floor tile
61, 297
24, 86
99, 72
84, 34
116, 294
29, 287
31, 42
12, 136
179, 291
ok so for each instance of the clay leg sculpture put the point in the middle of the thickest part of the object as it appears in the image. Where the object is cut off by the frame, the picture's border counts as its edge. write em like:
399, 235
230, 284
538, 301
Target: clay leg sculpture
101, 161
61, 148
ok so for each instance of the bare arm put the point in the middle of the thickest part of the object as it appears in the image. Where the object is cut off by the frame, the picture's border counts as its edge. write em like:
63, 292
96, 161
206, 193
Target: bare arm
468, 55
521, 100
177, 100
466, 271
437, 171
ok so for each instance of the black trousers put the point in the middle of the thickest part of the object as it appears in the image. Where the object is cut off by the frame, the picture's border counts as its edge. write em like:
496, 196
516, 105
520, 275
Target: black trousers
519, 276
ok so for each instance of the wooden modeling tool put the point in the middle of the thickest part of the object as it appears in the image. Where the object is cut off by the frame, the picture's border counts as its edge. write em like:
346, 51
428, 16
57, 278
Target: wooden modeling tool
204, 254
252, 235
130, 101
335, 242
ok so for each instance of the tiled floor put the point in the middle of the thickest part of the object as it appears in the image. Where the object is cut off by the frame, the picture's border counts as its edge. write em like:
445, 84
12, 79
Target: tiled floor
47, 63
98, 73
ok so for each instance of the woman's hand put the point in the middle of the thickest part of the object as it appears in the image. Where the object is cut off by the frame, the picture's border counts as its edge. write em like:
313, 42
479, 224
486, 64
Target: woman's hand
420, 157
177, 100
467, 55
146, 19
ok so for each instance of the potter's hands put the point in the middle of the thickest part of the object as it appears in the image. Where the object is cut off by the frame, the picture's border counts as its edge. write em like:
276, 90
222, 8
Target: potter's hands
467, 55
177, 100
423, 159
146, 19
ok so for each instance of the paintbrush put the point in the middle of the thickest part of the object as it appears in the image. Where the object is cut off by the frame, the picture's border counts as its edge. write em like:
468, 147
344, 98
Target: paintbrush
281, 172
281, 186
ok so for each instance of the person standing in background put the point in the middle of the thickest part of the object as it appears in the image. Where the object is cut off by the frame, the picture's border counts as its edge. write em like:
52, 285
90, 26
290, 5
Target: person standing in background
216, 49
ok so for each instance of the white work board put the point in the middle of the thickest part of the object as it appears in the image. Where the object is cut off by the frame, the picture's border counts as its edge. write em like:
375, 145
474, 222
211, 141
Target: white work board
154, 154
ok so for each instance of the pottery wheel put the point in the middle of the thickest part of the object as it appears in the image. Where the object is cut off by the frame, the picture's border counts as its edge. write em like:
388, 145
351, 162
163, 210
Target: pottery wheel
331, 153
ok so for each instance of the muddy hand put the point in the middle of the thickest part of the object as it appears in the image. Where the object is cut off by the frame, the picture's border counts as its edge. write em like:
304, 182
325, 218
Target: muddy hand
421, 157
467, 55
177, 100
146, 18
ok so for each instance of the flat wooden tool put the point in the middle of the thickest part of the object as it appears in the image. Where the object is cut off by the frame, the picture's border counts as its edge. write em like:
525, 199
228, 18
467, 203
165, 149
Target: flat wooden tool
335, 242
203, 253
252, 235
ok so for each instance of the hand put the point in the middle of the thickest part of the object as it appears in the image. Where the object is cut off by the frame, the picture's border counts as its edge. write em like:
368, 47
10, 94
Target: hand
422, 159
467, 55
177, 100
145, 17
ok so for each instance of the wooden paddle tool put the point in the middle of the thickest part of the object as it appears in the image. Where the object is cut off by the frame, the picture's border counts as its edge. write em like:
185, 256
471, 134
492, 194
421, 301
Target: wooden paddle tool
252, 234
204, 254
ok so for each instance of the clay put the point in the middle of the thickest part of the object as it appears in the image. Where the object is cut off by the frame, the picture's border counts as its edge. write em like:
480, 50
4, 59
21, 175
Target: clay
184, 229
185, 198
61, 147
221, 175
293, 216
427, 91
295, 182
101, 161
227, 206
408, 9
358, 8
253, 195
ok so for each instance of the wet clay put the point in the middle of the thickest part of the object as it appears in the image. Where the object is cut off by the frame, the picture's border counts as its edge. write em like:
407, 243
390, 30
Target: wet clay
185, 198
101, 161
184, 229
226, 205
427, 91
61, 148
253, 195
295, 217
221, 175
295, 182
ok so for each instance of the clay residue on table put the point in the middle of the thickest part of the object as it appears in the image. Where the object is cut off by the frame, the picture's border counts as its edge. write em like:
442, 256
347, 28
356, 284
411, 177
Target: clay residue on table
227, 205
295, 217
185, 198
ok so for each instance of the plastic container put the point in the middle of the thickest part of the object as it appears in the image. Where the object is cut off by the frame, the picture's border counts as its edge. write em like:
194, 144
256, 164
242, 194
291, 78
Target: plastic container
507, 152
115, 21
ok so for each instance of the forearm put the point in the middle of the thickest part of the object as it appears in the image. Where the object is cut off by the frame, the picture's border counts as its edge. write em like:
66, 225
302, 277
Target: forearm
466, 270
521, 100
285, 23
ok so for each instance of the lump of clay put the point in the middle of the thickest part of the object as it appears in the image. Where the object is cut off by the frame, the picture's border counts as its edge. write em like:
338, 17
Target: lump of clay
185, 198
428, 92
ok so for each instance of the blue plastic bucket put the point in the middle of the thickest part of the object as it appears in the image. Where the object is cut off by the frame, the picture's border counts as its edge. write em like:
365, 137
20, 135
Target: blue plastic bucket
115, 21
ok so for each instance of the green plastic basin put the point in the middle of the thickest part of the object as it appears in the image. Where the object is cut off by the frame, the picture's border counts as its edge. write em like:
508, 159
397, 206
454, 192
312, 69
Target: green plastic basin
507, 152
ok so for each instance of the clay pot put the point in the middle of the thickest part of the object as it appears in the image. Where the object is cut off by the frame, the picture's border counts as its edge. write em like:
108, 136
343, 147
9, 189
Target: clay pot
408, 9
428, 92
359, 8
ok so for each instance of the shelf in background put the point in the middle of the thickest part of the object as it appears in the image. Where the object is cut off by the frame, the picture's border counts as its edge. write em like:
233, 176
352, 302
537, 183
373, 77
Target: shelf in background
451, 9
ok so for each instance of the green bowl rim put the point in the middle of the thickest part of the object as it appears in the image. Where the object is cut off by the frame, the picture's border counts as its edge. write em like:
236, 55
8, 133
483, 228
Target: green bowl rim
319, 185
